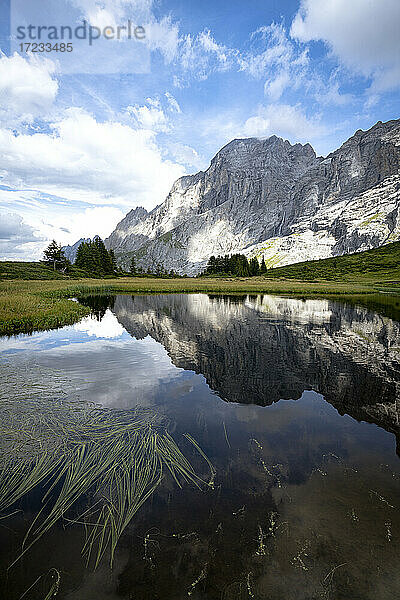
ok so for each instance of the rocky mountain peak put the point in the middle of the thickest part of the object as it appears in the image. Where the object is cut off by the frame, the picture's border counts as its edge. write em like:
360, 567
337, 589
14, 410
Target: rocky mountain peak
126, 225
136, 214
386, 132
240, 151
273, 198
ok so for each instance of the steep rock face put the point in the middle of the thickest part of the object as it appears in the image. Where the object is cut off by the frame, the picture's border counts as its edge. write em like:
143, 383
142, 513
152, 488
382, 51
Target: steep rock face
269, 197
123, 236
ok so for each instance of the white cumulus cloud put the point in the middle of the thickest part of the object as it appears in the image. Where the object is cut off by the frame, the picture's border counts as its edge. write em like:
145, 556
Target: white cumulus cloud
27, 88
362, 34
83, 159
284, 120
16, 237
150, 116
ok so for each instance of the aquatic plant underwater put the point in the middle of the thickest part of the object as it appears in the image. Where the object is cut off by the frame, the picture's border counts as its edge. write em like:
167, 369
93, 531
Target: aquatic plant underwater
77, 452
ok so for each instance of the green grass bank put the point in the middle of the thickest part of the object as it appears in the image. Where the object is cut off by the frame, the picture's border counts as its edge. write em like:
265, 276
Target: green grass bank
29, 302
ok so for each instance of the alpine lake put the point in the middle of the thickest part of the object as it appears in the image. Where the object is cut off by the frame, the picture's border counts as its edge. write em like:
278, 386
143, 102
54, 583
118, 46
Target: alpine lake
202, 446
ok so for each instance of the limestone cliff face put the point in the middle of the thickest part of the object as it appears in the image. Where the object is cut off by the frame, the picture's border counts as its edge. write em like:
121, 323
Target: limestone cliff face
273, 198
123, 236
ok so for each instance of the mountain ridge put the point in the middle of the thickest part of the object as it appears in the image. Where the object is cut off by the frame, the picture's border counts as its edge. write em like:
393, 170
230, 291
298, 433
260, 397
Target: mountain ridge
269, 197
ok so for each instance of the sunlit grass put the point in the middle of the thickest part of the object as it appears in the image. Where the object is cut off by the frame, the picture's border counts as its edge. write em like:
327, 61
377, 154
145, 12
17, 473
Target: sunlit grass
36, 305
24, 307
28, 305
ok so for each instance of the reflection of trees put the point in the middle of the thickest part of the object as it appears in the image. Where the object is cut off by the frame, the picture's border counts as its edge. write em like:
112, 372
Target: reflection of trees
230, 299
98, 304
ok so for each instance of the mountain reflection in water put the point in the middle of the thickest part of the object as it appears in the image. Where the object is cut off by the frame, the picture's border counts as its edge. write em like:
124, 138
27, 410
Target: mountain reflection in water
296, 404
260, 349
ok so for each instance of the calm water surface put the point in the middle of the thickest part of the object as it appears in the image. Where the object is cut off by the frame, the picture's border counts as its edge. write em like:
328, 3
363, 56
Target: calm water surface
297, 405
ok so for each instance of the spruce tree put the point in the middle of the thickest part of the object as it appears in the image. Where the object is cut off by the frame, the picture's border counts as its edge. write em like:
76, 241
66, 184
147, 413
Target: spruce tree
113, 259
101, 257
94, 258
132, 266
211, 265
243, 266
263, 268
234, 264
226, 264
54, 256
254, 267
83, 257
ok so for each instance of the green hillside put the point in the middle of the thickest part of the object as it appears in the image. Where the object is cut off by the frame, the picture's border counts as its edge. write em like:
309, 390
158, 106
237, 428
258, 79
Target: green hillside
379, 263
371, 266
35, 270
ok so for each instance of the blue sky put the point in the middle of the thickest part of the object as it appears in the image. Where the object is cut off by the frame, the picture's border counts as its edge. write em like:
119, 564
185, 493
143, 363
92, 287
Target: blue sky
86, 136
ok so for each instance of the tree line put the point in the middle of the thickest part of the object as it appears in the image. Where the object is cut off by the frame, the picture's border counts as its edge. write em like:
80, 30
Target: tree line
94, 258
55, 258
235, 264
158, 270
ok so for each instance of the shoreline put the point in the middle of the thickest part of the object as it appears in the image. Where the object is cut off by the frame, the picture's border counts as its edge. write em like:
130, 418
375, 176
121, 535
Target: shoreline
37, 305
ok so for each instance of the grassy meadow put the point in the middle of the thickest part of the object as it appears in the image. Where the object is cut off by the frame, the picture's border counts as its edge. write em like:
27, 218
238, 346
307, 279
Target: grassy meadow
28, 304
37, 305
35, 270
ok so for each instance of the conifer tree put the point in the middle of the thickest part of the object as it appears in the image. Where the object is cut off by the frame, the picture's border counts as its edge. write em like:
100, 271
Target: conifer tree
211, 265
243, 266
101, 257
254, 267
263, 268
94, 258
235, 264
54, 256
84, 258
113, 260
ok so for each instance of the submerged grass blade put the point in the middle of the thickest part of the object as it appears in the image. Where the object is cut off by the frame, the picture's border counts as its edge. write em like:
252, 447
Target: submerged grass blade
73, 451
